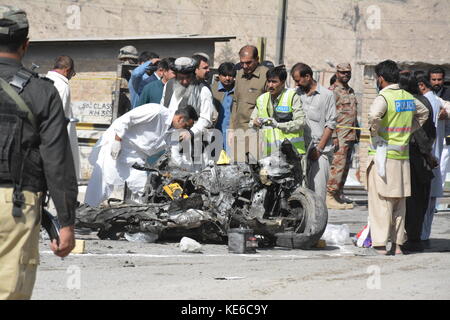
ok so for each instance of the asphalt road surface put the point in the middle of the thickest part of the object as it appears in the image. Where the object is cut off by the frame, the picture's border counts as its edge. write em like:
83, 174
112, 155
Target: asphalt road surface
128, 270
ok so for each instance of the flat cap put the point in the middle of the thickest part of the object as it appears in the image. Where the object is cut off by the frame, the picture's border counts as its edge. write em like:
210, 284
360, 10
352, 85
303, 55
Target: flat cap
344, 67
185, 65
204, 55
12, 19
128, 52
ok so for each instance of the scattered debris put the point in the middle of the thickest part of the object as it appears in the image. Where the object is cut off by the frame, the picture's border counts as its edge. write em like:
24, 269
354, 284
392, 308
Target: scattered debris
336, 234
129, 265
229, 278
265, 196
147, 237
190, 245
241, 241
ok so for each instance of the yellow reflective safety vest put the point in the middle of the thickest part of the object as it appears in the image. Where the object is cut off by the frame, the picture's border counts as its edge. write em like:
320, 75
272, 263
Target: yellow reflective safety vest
395, 126
273, 137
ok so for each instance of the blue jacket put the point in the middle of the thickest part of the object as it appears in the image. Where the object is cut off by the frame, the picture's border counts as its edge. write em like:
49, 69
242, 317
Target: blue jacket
138, 80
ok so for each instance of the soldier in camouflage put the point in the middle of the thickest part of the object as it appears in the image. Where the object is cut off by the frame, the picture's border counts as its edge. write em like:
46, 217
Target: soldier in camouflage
346, 107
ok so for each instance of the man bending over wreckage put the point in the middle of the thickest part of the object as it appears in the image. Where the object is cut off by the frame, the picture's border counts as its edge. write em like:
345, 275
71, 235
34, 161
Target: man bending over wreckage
132, 138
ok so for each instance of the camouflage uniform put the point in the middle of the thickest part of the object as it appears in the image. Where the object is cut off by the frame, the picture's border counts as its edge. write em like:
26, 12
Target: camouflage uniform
346, 107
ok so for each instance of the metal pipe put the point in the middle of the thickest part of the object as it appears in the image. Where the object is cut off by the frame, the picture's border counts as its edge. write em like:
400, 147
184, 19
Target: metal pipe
281, 30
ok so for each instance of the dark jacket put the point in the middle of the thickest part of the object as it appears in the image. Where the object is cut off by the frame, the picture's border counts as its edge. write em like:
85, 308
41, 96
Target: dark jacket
421, 145
445, 93
52, 141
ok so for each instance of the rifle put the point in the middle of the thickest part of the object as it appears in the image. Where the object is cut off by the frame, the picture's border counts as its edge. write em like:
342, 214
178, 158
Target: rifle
51, 225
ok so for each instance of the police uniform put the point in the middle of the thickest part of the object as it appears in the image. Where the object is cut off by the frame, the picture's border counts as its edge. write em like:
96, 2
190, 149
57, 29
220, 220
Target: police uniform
391, 117
35, 157
346, 108
288, 113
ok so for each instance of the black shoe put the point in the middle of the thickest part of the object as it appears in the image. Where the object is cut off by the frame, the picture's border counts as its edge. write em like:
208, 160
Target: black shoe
413, 246
344, 199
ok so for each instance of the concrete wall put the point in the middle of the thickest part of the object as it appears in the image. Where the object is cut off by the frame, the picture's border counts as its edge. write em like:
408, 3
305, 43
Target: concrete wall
101, 56
317, 31
96, 65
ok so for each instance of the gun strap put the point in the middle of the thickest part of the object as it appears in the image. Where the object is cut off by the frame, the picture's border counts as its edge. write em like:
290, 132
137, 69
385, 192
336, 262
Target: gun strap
19, 101
20, 80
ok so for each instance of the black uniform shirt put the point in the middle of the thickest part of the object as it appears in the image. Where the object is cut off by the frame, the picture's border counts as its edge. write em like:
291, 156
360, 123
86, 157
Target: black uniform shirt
52, 140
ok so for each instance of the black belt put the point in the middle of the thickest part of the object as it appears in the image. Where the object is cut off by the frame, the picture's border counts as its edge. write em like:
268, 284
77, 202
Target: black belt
6, 184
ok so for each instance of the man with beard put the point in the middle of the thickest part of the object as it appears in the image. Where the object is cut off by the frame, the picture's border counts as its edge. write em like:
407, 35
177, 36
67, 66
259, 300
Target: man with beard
346, 107
421, 162
439, 116
436, 77
393, 116
202, 70
320, 110
184, 90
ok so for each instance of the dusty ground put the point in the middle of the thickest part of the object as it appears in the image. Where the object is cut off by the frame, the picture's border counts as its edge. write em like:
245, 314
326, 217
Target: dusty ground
126, 270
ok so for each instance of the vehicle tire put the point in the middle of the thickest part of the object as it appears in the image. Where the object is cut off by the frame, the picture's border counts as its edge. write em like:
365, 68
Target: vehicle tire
315, 218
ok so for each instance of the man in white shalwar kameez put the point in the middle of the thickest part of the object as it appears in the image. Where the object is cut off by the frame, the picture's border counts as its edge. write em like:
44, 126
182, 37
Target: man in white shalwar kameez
185, 89
132, 138
63, 71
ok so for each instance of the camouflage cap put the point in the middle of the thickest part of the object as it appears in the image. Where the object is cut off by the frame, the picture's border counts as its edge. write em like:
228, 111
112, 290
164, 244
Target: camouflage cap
12, 19
128, 52
344, 67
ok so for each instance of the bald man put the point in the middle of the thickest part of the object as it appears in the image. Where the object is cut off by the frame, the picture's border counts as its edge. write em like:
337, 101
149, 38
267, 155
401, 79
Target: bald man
63, 71
250, 84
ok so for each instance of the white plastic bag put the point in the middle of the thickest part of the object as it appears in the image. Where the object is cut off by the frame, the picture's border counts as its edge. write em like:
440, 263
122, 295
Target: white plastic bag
336, 234
381, 155
380, 159
141, 237
190, 245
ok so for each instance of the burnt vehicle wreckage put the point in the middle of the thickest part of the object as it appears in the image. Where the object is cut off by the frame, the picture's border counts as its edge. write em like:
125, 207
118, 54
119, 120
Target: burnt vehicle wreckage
266, 197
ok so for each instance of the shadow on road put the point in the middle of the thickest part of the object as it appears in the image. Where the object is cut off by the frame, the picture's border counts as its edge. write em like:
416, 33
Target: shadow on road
438, 245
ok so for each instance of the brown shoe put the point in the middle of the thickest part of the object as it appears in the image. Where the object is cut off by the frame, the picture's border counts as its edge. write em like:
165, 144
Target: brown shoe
332, 203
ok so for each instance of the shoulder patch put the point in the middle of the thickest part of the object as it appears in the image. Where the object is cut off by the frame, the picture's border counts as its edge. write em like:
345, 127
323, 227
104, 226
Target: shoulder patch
46, 79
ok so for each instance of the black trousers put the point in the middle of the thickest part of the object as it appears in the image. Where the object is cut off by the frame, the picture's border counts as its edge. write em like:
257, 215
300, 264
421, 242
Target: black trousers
417, 203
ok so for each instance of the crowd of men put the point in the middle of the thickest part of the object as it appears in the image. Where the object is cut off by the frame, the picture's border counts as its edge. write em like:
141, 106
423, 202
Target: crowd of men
246, 109
251, 109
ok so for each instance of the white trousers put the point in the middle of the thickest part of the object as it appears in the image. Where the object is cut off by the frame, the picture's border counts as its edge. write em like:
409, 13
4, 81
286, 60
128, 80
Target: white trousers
445, 164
